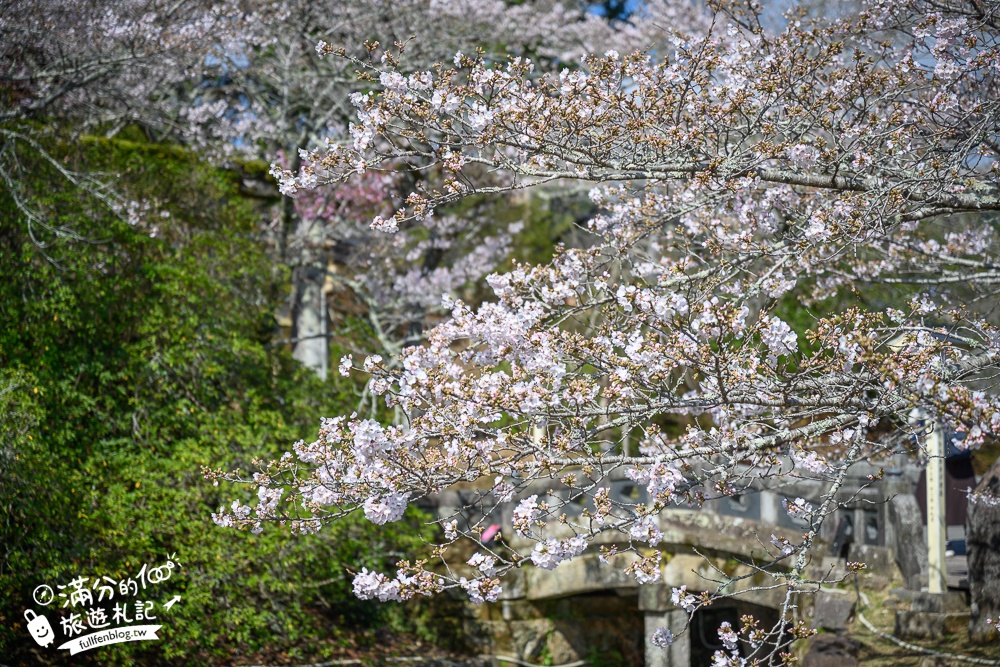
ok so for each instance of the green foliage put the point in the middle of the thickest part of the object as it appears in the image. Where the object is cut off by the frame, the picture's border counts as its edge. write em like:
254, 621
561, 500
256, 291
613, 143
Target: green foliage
128, 360
598, 658
548, 220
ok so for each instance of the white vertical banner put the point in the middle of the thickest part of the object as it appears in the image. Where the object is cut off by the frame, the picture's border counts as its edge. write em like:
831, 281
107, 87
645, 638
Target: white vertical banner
936, 528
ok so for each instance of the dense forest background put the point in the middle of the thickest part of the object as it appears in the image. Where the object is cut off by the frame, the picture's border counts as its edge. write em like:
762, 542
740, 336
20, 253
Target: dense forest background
130, 357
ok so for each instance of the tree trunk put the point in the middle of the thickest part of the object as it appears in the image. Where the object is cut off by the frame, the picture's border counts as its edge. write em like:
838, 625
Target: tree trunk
982, 530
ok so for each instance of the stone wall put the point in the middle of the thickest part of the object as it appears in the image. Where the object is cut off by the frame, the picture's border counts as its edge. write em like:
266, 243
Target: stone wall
605, 628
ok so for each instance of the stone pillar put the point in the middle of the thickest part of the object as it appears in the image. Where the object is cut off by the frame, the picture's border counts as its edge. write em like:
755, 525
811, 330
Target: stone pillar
654, 601
677, 654
936, 532
894, 485
310, 321
770, 507
309, 312
908, 538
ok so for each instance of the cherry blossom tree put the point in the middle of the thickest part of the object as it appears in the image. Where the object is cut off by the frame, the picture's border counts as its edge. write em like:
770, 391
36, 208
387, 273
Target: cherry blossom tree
840, 170
83, 66
244, 79
276, 96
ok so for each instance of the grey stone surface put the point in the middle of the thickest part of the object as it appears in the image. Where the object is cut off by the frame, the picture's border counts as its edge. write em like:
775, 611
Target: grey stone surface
909, 545
831, 650
949, 602
919, 625
833, 567
876, 582
561, 648
515, 585
904, 593
832, 611
676, 655
654, 597
530, 637
519, 610
559, 631
584, 574
983, 542
877, 559
931, 625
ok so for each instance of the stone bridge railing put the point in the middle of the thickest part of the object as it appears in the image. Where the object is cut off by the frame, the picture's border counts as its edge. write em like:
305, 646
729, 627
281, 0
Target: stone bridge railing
740, 525
726, 533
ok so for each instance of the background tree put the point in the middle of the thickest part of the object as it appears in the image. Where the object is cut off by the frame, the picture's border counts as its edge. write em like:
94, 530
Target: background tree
276, 96
121, 376
240, 79
96, 67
